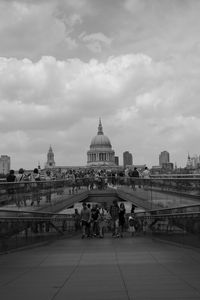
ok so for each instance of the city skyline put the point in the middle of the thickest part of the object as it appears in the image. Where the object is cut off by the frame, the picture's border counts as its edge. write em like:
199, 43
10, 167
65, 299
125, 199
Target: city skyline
64, 64
192, 160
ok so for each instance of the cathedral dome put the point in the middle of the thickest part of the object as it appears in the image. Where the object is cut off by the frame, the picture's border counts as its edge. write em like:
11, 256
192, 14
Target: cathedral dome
100, 141
100, 153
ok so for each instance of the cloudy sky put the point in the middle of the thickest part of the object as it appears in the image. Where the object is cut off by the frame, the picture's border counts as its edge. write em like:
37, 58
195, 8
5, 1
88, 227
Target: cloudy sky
65, 63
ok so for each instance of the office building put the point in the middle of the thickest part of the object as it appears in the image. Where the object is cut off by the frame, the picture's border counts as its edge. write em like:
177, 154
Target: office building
117, 160
127, 159
164, 158
4, 164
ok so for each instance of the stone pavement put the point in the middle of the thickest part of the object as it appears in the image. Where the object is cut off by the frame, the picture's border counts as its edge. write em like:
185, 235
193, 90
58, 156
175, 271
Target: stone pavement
136, 268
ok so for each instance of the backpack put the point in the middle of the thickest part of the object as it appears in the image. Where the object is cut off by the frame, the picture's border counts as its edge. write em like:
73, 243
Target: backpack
135, 173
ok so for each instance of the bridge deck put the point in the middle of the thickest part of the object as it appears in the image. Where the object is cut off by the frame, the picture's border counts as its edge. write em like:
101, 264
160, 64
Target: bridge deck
119, 269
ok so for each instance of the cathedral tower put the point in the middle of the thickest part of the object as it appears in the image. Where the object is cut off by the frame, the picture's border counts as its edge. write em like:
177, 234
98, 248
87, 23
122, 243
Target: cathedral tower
50, 159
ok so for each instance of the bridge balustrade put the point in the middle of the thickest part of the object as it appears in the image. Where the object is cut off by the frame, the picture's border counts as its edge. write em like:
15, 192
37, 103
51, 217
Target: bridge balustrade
178, 223
49, 192
23, 228
32, 193
181, 226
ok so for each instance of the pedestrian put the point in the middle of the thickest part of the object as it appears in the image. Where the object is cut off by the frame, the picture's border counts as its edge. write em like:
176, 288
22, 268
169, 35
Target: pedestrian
133, 208
90, 224
134, 178
146, 177
114, 213
48, 178
131, 226
77, 219
71, 181
11, 178
85, 219
122, 212
95, 220
102, 221
21, 187
35, 188
144, 226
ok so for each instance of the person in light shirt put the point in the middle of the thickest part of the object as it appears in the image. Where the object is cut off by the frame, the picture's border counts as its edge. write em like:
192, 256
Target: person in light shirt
146, 177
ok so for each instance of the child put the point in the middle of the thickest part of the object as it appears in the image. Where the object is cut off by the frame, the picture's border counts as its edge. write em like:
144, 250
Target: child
131, 226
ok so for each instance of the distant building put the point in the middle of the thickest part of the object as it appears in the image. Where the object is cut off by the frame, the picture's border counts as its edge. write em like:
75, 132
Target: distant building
117, 160
193, 162
4, 164
164, 158
167, 167
50, 159
155, 170
127, 159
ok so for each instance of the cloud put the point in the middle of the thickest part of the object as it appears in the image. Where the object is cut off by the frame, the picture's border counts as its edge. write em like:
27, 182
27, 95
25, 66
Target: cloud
134, 6
31, 29
49, 101
51, 96
96, 41
64, 64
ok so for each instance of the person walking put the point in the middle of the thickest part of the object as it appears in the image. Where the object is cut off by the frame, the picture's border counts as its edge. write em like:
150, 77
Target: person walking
146, 177
21, 187
48, 178
102, 221
35, 178
133, 207
131, 226
11, 178
95, 220
134, 177
77, 219
122, 212
85, 219
114, 213
90, 223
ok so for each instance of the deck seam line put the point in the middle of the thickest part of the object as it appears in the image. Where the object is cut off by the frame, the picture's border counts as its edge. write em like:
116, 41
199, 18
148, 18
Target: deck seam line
70, 275
121, 275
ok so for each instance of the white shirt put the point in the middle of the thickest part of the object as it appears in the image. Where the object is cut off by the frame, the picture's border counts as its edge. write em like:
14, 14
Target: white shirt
146, 173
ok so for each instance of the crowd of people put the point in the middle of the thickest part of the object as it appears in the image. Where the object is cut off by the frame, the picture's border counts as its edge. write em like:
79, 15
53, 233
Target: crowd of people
17, 194
101, 179
96, 220
74, 179
86, 174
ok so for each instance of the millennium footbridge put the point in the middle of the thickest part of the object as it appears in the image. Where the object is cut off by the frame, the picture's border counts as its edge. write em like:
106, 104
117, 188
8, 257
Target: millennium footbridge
43, 255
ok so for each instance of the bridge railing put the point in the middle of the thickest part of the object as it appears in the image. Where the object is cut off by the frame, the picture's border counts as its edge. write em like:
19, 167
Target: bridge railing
21, 194
18, 229
178, 225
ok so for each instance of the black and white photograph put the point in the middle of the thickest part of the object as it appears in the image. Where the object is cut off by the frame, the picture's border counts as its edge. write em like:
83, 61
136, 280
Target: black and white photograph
100, 149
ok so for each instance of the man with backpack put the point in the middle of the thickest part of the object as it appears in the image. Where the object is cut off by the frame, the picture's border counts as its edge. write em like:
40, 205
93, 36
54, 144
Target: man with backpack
134, 177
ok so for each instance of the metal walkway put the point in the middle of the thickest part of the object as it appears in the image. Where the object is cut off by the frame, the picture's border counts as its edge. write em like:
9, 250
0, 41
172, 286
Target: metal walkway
132, 268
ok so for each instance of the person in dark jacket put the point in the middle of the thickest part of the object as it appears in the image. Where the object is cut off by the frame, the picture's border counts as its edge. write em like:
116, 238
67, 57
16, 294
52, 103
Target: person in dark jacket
11, 176
11, 187
122, 212
134, 178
